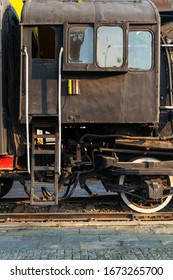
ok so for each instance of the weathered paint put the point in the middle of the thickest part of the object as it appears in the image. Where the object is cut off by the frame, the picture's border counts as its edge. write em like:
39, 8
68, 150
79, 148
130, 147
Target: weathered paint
17, 5
59, 12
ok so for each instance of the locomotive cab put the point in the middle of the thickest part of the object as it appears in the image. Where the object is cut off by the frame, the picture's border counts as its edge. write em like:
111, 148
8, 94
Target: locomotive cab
107, 55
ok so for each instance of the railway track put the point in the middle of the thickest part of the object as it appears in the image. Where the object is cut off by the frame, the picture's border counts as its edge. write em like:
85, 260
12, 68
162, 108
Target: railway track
85, 217
87, 209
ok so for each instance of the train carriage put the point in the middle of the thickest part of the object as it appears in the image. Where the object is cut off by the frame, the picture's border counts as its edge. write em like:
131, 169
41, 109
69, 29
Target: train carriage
9, 93
95, 100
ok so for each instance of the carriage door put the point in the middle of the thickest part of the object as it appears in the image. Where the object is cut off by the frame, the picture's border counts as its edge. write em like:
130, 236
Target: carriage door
42, 43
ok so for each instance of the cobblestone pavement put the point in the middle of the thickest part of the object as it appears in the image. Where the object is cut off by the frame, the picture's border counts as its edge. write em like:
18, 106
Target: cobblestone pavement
120, 242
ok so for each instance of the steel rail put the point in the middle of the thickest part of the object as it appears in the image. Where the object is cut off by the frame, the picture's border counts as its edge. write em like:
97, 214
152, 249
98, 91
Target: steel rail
85, 217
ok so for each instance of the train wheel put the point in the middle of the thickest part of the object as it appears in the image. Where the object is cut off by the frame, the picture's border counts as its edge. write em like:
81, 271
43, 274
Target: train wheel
5, 186
138, 199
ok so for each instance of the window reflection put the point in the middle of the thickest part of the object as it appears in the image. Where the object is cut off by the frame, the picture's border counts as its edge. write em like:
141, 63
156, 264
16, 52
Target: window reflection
81, 45
110, 46
140, 50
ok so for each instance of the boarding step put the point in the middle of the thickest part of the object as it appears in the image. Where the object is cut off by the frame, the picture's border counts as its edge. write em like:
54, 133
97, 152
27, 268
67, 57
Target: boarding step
43, 168
44, 152
44, 162
44, 136
44, 184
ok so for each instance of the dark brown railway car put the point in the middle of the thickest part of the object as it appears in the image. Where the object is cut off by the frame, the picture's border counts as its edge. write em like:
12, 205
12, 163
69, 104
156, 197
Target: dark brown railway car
96, 100
91, 81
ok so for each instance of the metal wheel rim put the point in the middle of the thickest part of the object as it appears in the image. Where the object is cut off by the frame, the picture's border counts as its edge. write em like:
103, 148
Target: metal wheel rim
143, 210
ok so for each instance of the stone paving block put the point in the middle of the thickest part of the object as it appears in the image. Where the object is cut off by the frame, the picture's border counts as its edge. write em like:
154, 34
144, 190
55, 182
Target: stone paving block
162, 229
92, 255
108, 255
142, 254
18, 232
84, 255
48, 240
68, 254
97, 231
7, 238
37, 254
123, 254
167, 244
31, 244
99, 245
169, 252
39, 232
22, 255
79, 237
117, 255
138, 253
5, 255
29, 255
50, 246
163, 237
148, 254
1, 254
140, 244
56, 255
101, 254
30, 238
44, 255
66, 231
76, 254
155, 253
73, 242
3, 231
60, 254
133, 229
56, 231
9, 245
13, 255
118, 237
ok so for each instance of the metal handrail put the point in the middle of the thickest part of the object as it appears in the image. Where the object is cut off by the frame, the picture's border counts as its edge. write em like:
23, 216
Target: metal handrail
59, 110
26, 108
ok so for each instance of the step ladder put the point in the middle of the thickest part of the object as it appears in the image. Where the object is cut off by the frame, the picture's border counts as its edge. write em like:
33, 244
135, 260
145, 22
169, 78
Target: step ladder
44, 160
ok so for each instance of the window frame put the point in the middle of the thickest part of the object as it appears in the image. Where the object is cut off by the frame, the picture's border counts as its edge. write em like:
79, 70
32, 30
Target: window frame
94, 66
67, 66
69, 44
52, 28
124, 47
140, 28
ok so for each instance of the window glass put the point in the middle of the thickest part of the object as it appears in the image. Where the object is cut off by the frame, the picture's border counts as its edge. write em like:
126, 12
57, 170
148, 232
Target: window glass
43, 42
81, 44
110, 46
140, 50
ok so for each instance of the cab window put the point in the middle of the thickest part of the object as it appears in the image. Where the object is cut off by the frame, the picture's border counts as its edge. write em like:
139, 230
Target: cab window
80, 44
140, 50
110, 46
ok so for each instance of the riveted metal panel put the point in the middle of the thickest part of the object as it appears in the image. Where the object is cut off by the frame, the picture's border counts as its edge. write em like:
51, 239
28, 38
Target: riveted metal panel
61, 11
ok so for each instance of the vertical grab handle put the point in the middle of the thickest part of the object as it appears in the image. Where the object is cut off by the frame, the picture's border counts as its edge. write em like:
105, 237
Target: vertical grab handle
59, 110
26, 107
